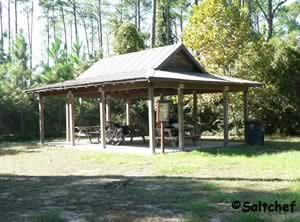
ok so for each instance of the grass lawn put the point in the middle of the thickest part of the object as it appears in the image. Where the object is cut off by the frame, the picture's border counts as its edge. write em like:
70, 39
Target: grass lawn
46, 184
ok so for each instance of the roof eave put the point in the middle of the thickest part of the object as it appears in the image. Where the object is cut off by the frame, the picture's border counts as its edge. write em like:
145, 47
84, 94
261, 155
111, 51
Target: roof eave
96, 84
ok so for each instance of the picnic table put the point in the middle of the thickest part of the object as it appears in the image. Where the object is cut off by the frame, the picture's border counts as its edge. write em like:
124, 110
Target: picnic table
88, 131
115, 134
171, 134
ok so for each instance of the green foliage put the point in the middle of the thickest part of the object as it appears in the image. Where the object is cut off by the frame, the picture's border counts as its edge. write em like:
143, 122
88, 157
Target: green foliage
139, 114
61, 69
164, 30
168, 12
276, 64
217, 33
220, 36
127, 39
15, 78
3, 56
288, 19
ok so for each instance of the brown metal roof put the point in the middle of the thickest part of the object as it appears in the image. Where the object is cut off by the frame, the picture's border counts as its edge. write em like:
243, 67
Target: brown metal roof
142, 66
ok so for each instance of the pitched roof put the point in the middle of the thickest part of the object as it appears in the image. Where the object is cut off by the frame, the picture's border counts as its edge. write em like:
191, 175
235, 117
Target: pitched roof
144, 65
133, 63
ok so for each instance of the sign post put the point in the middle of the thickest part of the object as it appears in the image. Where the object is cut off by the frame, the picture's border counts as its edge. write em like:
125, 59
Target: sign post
163, 116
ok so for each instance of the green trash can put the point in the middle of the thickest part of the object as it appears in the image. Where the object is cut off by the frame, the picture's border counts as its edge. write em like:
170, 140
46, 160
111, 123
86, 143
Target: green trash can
255, 132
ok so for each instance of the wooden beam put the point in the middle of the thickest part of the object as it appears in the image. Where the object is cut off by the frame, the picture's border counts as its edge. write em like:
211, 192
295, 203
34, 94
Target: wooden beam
72, 118
42, 119
108, 108
180, 119
68, 128
102, 119
151, 119
193, 85
127, 112
246, 114
225, 104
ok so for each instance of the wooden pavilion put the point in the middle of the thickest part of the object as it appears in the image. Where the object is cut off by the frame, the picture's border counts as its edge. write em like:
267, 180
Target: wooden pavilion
169, 70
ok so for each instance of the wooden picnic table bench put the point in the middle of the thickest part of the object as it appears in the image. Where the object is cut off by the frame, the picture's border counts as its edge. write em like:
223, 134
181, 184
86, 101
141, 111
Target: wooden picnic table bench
171, 135
88, 131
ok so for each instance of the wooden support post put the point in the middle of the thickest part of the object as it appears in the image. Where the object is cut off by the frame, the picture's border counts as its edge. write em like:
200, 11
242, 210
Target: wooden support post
151, 119
162, 126
42, 119
225, 104
68, 138
102, 119
195, 116
72, 118
180, 119
127, 112
246, 114
195, 111
108, 109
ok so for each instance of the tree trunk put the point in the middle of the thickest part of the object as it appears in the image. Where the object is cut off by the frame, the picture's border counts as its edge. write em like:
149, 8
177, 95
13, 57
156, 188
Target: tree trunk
153, 23
168, 24
75, 21
54, 24
270, 30
135, 16
48, 35
270, 14
181, 21
196, 2
65, 28
250, 12
16, 18
92, 38
29, 37
100, 34
139, 15
9, 28
121, 15
71, 33
1, 23
31, 32
270, 19
2, 39
86, 36
242, 3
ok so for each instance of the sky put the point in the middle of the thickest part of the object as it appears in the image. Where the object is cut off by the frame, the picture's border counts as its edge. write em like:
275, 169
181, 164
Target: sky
39, 35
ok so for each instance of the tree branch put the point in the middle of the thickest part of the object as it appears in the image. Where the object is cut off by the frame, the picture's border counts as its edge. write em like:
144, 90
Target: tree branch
277, 7
263, 11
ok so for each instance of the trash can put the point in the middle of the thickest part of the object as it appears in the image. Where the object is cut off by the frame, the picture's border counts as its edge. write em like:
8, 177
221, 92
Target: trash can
255, 132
